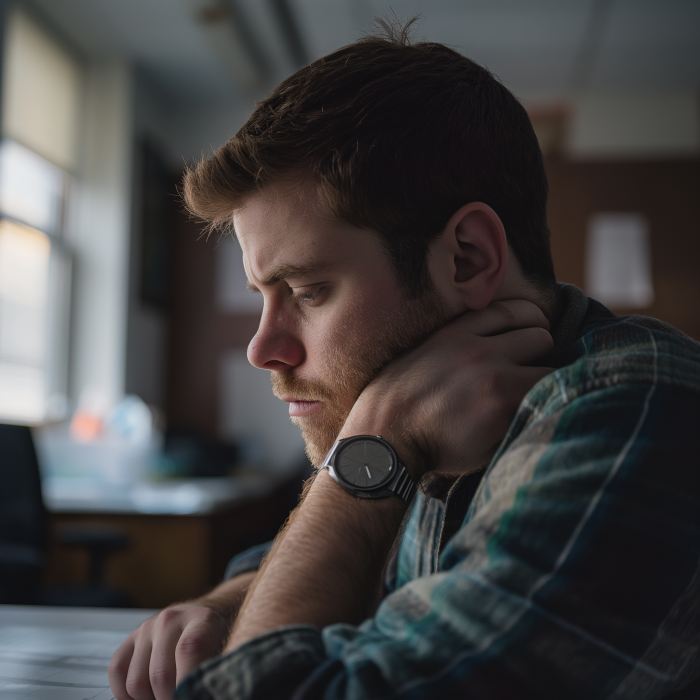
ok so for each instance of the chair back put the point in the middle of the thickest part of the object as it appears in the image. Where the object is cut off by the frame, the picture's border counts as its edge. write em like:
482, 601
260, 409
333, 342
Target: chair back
23, 518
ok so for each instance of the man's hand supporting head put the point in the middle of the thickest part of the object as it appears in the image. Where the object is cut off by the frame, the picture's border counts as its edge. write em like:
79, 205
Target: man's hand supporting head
447, 404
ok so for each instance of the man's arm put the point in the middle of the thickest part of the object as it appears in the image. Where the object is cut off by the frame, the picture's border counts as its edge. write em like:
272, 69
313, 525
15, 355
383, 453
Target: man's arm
576, 576
329, 566
166, 647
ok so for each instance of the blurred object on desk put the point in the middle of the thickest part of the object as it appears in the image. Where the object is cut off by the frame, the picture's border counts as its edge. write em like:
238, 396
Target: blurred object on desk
182, 527
114, 447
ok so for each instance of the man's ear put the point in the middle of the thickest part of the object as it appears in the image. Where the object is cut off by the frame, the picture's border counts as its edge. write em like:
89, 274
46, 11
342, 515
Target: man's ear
468, 261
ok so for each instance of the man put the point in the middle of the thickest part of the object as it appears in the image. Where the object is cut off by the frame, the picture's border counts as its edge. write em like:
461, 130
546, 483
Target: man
389, 200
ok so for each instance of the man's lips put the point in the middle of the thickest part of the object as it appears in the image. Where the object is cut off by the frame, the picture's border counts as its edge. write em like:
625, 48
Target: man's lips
301, 407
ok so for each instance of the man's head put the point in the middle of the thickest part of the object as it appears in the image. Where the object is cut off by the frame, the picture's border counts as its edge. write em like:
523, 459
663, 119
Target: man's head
396, 137
376, 194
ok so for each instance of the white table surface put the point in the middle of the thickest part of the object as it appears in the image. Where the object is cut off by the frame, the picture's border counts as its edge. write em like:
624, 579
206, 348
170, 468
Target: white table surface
60, 653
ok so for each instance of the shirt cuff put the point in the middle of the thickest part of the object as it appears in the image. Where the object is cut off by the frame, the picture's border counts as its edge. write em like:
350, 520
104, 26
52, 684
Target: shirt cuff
267, 667
249, 560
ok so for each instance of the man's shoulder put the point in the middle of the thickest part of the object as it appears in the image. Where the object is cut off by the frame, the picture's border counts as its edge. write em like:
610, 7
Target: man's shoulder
621, 352
634, 349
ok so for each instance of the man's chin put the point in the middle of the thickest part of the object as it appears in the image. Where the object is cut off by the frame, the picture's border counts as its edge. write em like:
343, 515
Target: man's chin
318, 436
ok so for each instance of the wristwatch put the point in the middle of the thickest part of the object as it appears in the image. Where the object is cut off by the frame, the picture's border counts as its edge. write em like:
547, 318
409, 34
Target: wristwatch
368, 467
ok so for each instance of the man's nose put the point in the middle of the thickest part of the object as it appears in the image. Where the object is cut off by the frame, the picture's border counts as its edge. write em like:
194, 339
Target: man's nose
274, 346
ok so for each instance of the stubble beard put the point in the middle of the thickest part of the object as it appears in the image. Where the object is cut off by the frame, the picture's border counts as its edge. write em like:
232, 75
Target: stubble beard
352, 362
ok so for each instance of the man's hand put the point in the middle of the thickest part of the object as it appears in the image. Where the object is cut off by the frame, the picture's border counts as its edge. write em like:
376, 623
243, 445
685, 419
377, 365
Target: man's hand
158, 654
448, 403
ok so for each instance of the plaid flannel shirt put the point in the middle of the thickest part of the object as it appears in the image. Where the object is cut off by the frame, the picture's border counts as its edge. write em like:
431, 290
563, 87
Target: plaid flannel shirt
569, 569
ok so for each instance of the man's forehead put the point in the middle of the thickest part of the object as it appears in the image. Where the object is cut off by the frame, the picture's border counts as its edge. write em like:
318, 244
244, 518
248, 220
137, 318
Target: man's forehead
285, 201
286, 227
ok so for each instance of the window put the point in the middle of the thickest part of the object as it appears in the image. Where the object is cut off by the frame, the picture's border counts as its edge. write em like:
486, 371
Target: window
38, 151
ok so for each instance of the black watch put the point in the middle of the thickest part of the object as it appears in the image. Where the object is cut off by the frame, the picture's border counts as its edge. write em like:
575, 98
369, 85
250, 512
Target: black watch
368, 467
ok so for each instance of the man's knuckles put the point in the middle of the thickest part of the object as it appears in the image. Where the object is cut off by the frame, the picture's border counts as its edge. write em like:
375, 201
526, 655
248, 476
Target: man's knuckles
509, 314
519, 313
478, 353
539, 337
167, 618
196, 645
492, 390
539, 344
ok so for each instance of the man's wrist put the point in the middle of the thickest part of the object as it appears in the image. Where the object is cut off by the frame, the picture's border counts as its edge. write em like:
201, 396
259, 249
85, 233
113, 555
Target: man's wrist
405, 447
330, 493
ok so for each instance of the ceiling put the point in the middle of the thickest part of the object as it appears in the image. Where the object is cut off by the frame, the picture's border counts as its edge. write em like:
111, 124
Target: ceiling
219, 51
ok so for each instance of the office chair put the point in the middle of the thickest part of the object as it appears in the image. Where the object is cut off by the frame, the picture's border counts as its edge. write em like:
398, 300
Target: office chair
23, 518
24, 534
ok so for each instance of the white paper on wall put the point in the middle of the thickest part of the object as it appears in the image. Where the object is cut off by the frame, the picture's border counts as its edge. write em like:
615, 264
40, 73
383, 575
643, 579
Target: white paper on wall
618, 260
232, 295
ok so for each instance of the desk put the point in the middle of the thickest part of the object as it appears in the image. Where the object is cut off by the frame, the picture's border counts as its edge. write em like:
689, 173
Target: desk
60, 653
178, 551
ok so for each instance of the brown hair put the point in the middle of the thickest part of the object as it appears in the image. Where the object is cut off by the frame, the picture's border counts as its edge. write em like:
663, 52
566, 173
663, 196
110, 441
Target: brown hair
397, 137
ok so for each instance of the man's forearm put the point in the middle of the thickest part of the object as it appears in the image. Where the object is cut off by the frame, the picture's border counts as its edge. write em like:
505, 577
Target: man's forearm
328, 566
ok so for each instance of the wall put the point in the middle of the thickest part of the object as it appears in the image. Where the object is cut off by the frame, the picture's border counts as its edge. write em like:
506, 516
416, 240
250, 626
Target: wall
633, 151
147, 323
181, 134
98, 230
634, 125
666, 192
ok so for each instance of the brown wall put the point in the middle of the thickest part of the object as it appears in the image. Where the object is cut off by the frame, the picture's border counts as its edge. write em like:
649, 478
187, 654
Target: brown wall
199, 333
667, 193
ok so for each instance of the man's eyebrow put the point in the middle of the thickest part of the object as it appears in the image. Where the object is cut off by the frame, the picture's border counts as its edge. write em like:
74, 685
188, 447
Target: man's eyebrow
285, 271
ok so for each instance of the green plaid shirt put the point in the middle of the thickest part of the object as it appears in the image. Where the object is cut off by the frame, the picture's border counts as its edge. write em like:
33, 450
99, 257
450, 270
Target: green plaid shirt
569, 568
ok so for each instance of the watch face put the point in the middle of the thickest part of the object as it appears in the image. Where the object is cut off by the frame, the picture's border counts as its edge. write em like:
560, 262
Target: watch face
365, 463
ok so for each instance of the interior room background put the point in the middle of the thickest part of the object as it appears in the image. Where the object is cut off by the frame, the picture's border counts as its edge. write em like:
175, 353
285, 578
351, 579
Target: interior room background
104, 103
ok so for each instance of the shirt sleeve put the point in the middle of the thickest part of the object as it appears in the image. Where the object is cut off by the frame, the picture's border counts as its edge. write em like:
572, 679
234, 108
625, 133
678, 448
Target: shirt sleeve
576, 575
250, 560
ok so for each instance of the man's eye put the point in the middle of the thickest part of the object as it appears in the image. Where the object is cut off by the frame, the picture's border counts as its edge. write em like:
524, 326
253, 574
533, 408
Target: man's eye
308, 295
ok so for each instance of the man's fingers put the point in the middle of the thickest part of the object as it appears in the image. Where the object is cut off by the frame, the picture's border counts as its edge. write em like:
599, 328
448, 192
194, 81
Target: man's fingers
502, 316
119, 668
161, 670
200, 641
525, 346
138, 684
